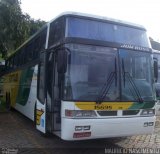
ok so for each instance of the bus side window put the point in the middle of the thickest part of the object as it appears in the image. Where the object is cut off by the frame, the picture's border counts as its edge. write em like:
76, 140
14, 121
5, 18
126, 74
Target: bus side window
21, 56
17, 60
9, 63
56, 32
43, 39
51, 34
13, 62
36, 48
29, 52
39, 44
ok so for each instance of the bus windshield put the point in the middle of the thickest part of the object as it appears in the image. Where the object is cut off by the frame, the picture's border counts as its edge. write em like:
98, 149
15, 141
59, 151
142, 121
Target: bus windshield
90, 70
136, 75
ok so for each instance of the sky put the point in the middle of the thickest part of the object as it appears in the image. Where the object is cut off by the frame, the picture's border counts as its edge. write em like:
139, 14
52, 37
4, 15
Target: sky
143, 12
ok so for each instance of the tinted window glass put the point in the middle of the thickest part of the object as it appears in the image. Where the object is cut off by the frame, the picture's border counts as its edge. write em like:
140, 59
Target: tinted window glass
39, 43
91, 69
29, 52
56, 31
136, 75
43, 35
97, 30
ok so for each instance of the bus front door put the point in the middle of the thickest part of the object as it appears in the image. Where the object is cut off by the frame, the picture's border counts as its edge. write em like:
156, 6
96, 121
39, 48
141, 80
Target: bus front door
53, 94
40, 108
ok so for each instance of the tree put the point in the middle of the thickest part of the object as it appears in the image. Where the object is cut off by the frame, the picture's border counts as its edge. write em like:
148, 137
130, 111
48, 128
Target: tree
34, 25
15, 27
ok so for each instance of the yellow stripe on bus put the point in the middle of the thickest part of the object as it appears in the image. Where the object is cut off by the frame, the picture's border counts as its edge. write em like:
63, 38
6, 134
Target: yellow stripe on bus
104, 105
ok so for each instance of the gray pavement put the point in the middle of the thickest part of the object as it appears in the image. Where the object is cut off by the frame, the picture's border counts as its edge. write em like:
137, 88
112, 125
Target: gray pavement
18, 132
142, 141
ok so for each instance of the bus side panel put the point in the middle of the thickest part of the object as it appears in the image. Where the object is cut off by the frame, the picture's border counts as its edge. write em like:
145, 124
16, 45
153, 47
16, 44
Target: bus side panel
27, 92
21, 87
13, 86
9, 88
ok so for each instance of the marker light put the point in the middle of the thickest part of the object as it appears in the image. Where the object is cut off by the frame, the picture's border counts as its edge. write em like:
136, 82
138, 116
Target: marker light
148, 112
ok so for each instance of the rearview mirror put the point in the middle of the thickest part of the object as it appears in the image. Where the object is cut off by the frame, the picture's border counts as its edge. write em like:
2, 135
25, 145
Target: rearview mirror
62, 61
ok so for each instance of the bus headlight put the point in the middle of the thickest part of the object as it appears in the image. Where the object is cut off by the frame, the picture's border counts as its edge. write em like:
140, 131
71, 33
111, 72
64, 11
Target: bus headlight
80, 113
148, 112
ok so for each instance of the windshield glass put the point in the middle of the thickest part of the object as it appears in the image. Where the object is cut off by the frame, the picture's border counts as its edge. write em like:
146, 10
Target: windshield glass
90, 69
136, 75
103, 31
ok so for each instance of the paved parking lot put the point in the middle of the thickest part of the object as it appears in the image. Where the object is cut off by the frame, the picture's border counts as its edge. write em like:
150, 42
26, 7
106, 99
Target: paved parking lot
142, 141
19, 133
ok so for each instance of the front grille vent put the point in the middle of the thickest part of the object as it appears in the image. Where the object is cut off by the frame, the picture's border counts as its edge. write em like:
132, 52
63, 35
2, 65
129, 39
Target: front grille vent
130, 112
107, 113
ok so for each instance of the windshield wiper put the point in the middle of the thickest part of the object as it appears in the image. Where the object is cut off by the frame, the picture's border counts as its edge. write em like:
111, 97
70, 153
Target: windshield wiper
106, 87
131, 82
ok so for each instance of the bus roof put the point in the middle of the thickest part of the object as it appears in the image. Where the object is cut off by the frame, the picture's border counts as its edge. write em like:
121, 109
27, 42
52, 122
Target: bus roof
78, 14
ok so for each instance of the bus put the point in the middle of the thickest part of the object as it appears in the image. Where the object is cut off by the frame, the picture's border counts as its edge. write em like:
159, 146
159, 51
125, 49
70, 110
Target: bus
84, 77
156, 55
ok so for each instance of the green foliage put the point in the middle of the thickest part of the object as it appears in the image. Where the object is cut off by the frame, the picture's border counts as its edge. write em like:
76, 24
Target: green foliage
15, 27
34, 25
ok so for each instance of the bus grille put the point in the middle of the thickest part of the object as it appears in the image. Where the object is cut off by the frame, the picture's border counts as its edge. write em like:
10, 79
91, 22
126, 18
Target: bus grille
107, 113
115, 113
130, 112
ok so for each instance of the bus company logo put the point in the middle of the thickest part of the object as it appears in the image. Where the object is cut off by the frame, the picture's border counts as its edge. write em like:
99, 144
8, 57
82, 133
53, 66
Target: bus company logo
128, 46
141, 48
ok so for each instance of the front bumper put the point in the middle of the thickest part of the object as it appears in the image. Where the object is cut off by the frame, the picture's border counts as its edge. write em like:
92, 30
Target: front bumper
106, 128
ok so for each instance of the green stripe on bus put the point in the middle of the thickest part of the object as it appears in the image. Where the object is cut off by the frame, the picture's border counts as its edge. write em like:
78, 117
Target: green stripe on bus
24, 86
